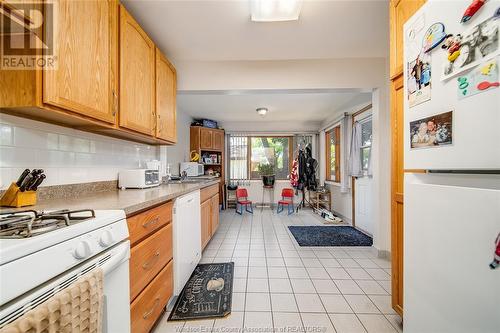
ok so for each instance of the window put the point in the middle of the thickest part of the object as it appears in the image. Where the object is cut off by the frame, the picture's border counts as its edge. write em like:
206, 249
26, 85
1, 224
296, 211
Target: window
333, 154
366, 143
247, 153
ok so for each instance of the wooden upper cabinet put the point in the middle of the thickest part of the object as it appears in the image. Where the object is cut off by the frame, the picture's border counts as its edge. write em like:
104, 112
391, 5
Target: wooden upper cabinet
85, 80
166, 90
400, 12
137, 77
218, 140
206, 138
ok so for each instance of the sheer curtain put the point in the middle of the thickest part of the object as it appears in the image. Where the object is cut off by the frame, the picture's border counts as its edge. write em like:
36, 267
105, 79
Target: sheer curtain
238, 158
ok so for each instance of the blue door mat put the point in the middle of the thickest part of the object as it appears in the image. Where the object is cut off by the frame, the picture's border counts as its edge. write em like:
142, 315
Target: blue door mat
330, 236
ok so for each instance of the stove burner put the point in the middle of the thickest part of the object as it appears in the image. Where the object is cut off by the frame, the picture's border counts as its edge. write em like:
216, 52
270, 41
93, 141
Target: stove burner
29, 223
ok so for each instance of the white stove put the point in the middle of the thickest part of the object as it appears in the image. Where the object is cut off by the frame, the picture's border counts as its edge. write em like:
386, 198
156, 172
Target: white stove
40, 253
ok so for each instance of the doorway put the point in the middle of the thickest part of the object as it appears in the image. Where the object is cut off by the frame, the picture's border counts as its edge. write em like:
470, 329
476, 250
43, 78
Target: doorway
363, 194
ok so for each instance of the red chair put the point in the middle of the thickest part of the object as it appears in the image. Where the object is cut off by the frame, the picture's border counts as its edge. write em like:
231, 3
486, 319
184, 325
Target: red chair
242, 200
286, 199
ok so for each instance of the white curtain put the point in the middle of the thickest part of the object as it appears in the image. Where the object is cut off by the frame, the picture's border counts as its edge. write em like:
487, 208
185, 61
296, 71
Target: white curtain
355, 167
370, 163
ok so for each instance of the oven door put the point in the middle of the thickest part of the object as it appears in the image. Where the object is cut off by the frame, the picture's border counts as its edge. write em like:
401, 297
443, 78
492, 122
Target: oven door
116, 303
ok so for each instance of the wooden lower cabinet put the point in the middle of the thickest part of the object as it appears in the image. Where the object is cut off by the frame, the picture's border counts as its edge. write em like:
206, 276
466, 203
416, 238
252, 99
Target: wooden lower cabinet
209, 213
142, 225
148, 306
151, 265
148, 258
214, 221
206, 216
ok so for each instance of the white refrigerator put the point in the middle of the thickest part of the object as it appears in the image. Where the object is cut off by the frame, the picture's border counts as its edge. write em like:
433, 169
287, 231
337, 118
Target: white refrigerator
452, 212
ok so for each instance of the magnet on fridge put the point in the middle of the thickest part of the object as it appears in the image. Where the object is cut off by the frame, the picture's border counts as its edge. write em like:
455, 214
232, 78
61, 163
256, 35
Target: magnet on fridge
496, 256
433, 36
472, 9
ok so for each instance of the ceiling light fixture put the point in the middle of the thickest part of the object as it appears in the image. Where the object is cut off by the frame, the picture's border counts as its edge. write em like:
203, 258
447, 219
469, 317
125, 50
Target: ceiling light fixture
275, 10
262, 111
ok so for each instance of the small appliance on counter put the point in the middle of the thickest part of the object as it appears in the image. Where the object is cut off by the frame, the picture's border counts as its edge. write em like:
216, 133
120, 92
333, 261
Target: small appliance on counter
23, 192
138, 178
192, 169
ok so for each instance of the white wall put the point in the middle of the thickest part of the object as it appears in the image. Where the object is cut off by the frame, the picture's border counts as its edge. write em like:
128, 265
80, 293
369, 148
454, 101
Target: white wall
254, 188
180, 151
351, 73
67, 155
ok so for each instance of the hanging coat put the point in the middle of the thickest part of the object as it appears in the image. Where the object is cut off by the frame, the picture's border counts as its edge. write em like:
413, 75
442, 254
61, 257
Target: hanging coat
355, 167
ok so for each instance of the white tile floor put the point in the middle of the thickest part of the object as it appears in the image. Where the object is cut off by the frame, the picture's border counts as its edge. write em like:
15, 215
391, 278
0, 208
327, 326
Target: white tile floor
282, 287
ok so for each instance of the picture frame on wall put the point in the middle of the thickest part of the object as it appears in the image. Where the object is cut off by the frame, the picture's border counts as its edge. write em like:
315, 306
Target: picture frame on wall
433, 131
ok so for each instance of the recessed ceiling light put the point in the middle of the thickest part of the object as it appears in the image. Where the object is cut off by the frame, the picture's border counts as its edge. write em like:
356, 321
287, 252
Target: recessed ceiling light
262, 111
275, 10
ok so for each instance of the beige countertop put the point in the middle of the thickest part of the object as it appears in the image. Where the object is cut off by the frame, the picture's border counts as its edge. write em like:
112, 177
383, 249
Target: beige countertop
130, 200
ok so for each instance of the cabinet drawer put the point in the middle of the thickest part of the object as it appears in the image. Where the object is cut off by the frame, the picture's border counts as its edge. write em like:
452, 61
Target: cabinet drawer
208, 192
143, 224
148, 258
148, 306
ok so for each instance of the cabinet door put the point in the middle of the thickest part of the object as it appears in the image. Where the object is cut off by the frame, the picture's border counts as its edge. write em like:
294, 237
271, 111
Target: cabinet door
214, 223
206, 138
85, 80
137, 76
218, 140
166, 127
397, 115
206, 216
400, 12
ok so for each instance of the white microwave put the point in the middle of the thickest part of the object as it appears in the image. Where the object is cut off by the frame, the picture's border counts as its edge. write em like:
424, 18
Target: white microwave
192, 169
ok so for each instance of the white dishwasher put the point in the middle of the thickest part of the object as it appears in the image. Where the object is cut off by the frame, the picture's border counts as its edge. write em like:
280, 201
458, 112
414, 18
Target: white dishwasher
186, 238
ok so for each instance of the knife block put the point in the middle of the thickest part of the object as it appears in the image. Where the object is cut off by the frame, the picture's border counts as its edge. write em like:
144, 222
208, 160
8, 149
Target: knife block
13, 197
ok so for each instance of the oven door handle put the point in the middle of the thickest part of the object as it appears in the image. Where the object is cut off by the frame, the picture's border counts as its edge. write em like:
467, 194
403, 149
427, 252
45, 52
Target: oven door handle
119, 254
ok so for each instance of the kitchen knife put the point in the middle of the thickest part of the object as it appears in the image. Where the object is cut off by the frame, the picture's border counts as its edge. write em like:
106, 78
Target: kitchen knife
27, 180
32, 182
21, 178
37, 183
34, 173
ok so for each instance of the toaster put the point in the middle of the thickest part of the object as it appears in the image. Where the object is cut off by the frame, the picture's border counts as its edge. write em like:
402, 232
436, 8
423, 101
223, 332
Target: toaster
138, 178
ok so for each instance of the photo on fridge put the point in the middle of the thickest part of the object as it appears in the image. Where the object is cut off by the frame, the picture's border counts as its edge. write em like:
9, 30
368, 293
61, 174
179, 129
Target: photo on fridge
477, 44
433, 131
419, 79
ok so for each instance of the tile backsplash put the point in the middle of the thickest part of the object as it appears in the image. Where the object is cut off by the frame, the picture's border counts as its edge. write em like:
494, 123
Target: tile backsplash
68, 156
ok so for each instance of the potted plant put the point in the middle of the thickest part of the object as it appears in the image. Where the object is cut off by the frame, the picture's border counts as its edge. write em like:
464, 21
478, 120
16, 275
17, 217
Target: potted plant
267, 173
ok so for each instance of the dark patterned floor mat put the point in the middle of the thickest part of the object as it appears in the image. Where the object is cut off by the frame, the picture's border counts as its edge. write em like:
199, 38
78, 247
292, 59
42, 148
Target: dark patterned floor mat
207, 294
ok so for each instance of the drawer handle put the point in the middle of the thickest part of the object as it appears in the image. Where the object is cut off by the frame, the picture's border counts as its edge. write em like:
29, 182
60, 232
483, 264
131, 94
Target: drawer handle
150, 312
147, 265
152, 221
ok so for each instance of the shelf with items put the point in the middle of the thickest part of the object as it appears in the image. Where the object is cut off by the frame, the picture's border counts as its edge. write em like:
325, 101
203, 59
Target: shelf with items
209, 143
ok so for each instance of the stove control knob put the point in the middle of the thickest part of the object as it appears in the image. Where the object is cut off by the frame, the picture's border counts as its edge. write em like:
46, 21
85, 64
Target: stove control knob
82, 250
106, 239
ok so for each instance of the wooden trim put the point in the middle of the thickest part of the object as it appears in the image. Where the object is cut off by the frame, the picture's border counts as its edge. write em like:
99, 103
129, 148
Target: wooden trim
353, 196
336, 131
357, 113
327, 157
415, 171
